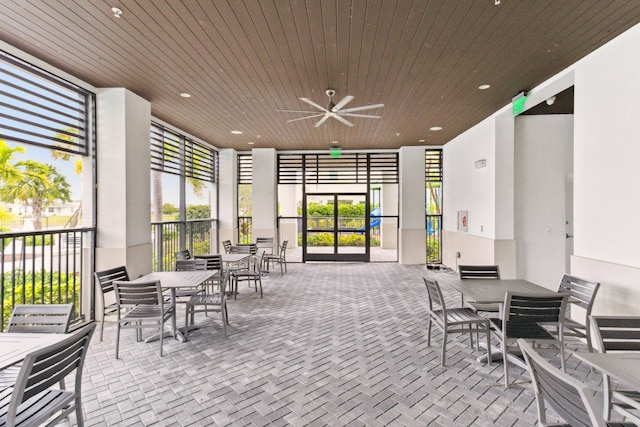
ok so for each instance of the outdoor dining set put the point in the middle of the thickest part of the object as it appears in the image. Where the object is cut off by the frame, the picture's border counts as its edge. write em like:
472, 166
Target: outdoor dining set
38, 351
524, 317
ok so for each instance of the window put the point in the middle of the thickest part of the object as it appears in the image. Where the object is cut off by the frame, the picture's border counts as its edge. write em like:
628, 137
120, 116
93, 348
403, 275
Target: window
245, 197
41, 109
433, 208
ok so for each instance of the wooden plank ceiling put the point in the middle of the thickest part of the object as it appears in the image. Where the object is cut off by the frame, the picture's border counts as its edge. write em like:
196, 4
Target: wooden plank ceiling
243, 60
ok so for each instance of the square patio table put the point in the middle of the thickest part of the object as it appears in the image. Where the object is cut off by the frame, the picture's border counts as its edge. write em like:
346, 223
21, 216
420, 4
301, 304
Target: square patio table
14, 346
492, 291
624, 367
172, 280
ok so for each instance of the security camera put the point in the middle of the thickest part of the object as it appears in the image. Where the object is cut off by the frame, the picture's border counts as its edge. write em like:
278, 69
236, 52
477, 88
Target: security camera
330, 93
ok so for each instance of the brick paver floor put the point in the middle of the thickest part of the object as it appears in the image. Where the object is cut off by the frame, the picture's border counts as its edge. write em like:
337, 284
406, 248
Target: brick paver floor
329, 344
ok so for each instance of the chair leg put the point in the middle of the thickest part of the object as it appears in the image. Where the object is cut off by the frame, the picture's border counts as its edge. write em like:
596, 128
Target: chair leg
186, 322
429, 333
505, 362
444, 346
102, 327
487, 331
79, 417
117, 339
606, 386
161, 337
225, 320
259, 281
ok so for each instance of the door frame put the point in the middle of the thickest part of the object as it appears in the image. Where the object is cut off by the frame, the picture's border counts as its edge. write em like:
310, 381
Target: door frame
336, 256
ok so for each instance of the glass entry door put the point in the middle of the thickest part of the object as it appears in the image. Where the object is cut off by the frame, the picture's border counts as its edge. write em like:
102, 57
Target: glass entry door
335, 227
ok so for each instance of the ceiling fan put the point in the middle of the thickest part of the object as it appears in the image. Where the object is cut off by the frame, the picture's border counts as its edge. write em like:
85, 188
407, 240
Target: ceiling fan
333, 110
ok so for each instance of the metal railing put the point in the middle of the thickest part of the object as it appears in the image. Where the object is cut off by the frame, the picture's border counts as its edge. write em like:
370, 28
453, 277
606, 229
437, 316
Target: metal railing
198, 235
244, 229
433, 225
48, 267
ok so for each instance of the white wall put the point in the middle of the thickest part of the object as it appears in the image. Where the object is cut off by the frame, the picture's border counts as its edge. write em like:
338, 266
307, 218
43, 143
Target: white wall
543, 158
607, 173
264, 198
466, 187
124, 223
413, 236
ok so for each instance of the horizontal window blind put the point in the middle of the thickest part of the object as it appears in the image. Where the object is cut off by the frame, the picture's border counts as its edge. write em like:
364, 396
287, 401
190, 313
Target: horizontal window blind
349, 168
433, 165
38, 108
170, 150
200, 161
245, 169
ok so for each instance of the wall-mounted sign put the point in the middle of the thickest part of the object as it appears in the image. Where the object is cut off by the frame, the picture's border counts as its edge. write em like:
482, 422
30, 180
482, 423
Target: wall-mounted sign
463, 221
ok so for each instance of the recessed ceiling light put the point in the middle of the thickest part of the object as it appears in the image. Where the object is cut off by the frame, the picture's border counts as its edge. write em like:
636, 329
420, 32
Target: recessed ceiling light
434, 128
250, 142
117, 12
334, 142
236, 132
421, 140
483, 87
185, 95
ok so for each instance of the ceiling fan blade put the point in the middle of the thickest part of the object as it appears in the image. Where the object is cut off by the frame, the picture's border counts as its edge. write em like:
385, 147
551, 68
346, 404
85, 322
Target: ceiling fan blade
297, 111
366, 116
343, 120
307, 117
310, 102
366, 107
344, 101
321, 121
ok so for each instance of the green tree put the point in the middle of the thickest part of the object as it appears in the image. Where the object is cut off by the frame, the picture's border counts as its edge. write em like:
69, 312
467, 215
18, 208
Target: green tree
198, 212
70, 138
41, 184
156, 181
8, 171
169, 209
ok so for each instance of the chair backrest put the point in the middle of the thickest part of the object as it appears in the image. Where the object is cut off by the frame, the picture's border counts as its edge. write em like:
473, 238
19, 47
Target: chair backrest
436, 300
214, 262
616, 333
138, 293
283, 250
227, 246
582, 292
46, 367
264, 239
40, 318
191, 264
570, 398
244, 249
479, 271
106, 278
182, 255
533, 308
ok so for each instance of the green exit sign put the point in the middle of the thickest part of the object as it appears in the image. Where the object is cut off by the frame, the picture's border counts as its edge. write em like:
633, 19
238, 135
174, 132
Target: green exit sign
336, 152
518, 102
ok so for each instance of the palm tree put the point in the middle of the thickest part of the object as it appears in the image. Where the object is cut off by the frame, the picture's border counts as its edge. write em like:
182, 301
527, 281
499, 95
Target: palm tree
8, 172
41, 184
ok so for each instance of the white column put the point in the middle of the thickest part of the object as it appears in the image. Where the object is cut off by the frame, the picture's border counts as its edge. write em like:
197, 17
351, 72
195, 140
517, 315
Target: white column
264, 190
413, 249
124, 182
228, 196
389, 226
288, 198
